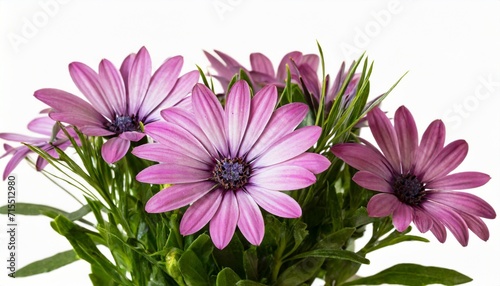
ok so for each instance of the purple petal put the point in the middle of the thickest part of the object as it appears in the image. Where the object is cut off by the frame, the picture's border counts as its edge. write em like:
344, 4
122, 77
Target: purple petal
177, 196
172, 174
446, 161
42, 125
132, 135
138, 80
262, 108
200, 212
21, 138
88, 83
210, 116
250, 222
372, 182
287, 60
276, 203
95, 131
125, 69
161, 153
464, 202
161, 84
402, 216
284, 120
72, 109
422, 220
237, 113
439, 231
432, 142
313, 162
363, 158
113, 87
223, 223
407, 135
114, 149
20, 153
476, 225
289, 146
283, 178
261, 63
386, 137
459, 181
450, 219
382, 205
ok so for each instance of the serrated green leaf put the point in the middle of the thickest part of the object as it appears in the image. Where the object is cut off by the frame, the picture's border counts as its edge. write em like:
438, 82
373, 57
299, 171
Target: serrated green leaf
48, 264
192, 269
227, 277
413, 275
333, 254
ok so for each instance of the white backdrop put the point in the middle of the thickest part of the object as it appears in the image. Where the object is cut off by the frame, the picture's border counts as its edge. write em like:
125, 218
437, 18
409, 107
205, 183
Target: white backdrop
450, 48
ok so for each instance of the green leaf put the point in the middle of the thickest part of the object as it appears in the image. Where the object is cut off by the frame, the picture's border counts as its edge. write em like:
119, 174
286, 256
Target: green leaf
36, 209
300, 272
192, 269
202, 246
334, 254
251, 263
231, 256
413, 275
227, 277
248, 283
48, 264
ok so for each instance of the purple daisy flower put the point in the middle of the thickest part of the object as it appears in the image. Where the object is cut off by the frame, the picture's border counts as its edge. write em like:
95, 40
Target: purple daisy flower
120, 100
53, 137
414, 178
225, 163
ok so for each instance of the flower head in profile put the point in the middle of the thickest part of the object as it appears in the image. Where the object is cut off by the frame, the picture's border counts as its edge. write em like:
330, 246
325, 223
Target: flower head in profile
414, 178
52, 137
120, 101
226, 162
262, 71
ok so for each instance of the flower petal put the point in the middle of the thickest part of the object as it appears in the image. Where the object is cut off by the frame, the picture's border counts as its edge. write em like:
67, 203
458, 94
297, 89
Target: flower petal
133, 136
237, 113
432, 142
386, 137
43, 125
250, 222
363, 158
459, 181
476, 225
113, 87
91, 130
446, 161
382, 205
422, 220
283, 178
177, 196
463, 202
289, 146
313, 162
407, 135
372, 182
200, 212
449, 218
114, 149
261, 63
276, 203
138, 80
172, 174
163, 154
402, 216
223, 223
20, 153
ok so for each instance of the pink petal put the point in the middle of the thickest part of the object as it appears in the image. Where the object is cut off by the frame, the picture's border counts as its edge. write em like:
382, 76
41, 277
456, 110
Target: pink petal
161, 84
19, 155
262, 108
372, 182
95, 131
407, 135
160, 153
363, 158
459, 181
386, 137
210, 116
125, 69
200, 212
476, 225
432, 142
463, 202
422, 220
382, 205
138, 80
133, 136
284, 120
289, 146
223, 223
88, 83
402, 217
313, 162
172, 174
113, 87
446, 161
287, 60
237, 113
177, 196
439, 231
276, 203
114, 149
21, 138
42, 125
261, 63
250, 222
283, 178
450, 219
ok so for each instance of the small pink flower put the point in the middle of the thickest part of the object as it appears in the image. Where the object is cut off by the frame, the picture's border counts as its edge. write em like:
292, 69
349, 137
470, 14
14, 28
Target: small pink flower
225, 163
414, 179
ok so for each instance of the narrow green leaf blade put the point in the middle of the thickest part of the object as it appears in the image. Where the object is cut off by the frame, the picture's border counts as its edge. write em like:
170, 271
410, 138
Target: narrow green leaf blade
48, 264
413, 275
334, 254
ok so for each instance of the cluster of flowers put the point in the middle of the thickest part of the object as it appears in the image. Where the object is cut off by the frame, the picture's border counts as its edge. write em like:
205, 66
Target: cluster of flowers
228, 156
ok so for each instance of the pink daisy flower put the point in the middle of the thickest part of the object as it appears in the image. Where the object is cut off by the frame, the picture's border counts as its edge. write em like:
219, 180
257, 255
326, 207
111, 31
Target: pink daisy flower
414, 179
120, 100
225, 163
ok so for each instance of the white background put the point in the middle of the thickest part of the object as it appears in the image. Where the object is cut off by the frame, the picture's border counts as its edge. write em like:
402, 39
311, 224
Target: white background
450, 48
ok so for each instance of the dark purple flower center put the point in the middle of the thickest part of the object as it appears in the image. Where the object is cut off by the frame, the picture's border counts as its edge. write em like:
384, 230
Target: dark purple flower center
123, 124
408, 189
231, 174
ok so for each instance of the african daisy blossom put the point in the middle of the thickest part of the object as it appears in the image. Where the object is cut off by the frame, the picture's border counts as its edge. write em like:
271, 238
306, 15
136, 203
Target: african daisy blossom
225, 163
414, 178
121, 101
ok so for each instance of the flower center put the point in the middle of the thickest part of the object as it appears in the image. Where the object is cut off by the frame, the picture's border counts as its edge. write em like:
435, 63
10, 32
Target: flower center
231, 174
408, 189
123, 124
